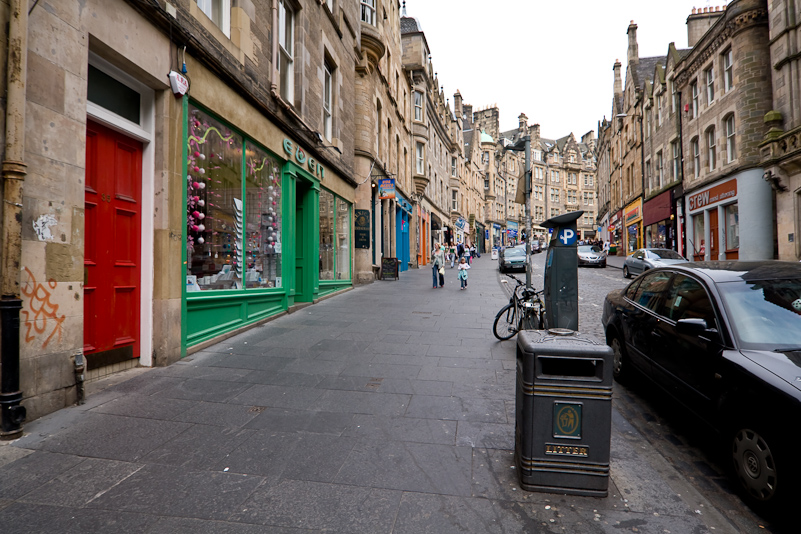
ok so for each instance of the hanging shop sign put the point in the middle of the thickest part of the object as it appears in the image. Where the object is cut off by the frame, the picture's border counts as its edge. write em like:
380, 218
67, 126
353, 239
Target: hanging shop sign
386, 188
304, 160
361, 227
460, 223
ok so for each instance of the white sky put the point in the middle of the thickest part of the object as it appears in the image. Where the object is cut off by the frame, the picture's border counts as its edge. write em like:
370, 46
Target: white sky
551, 60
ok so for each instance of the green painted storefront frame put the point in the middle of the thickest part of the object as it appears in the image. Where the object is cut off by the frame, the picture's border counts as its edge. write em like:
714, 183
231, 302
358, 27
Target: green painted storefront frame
210, 314
207, 315
332, 286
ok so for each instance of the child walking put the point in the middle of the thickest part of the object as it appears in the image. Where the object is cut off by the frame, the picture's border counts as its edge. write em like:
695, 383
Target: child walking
463, 267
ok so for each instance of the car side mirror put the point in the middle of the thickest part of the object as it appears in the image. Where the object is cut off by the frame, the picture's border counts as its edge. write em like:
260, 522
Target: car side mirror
691, 327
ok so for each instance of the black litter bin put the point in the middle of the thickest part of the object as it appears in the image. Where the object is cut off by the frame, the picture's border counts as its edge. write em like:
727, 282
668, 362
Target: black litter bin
563, 412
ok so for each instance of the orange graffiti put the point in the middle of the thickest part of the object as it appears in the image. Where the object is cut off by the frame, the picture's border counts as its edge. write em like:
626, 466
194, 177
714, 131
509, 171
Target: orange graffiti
41, 309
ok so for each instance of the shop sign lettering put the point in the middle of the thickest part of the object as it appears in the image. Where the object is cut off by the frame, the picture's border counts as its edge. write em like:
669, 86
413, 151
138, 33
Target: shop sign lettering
712, 195
633, 215
303, 160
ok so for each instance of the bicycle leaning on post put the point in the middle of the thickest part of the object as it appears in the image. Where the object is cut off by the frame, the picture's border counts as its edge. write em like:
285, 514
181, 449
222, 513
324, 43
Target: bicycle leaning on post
525, 311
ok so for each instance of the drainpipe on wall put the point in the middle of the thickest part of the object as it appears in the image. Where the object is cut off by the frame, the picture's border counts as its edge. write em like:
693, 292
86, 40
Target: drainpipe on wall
14, 171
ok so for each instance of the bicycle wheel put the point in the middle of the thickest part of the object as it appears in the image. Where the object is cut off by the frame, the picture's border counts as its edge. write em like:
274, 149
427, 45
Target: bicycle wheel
505, 325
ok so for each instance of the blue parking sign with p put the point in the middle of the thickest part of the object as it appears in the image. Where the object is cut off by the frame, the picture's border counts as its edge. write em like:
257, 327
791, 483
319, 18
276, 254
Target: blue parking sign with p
566, 236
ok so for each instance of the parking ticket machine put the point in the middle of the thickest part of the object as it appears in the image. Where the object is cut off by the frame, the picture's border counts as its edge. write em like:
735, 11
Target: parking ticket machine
561, 272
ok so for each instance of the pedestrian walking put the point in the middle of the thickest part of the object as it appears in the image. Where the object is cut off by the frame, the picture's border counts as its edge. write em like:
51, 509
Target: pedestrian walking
463, 267
438, 265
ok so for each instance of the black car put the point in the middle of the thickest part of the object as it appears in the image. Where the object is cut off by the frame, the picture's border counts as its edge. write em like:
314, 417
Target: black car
724, 340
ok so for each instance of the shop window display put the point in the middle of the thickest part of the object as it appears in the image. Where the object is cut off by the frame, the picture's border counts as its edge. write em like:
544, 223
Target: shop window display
732, 227
219, 216
326, 235
263, 219
343, 237
698, 243
334, 237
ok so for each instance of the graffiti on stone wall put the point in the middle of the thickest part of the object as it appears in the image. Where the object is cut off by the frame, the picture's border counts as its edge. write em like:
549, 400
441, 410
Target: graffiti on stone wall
42, 316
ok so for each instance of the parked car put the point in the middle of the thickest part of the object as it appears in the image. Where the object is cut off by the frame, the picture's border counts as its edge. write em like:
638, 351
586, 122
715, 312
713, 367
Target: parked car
512, 258
650, 258
724, 340
535, 246
591, 255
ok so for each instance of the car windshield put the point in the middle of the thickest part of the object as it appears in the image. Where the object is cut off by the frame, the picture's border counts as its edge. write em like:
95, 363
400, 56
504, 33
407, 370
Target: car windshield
588, 248
665, 254
765, 314
510, 252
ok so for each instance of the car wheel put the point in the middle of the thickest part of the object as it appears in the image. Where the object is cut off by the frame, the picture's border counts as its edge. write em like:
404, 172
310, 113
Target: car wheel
620, 363
603, 265
626, 273
756, 466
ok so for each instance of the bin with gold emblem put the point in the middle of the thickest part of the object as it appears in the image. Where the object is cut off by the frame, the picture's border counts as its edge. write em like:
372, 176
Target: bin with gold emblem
563, 412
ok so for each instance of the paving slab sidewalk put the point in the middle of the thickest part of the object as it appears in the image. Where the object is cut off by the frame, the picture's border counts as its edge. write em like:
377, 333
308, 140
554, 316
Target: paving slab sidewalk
387, 409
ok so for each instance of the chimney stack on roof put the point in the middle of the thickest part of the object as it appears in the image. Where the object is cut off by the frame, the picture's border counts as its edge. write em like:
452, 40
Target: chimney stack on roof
633, 52
699, 22
618, 80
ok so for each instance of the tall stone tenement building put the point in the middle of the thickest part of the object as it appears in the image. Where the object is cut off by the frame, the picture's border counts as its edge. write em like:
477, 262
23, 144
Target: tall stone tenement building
680, 157
179, 170
562, 177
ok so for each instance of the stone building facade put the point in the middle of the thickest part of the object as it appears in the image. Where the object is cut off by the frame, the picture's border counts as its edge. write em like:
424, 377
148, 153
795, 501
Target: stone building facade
233, 188
729, 70
694, 120
781, 149
383, 147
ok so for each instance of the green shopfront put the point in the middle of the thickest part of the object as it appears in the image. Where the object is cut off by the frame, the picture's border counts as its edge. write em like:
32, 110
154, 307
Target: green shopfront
265, 230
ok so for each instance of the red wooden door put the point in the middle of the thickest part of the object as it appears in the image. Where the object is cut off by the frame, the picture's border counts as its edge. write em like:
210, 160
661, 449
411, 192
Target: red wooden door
113, 192
714, 246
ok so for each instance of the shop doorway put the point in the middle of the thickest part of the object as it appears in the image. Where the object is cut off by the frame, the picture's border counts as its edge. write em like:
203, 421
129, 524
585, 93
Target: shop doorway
714, 246
112, 262
305, 263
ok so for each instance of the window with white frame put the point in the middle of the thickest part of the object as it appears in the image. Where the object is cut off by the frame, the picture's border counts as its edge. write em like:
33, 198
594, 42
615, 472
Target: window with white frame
659, 110
649, 178
328, 100
555, 176
695, 149
728, 67
730, 143
694, 105
709, 76
453, 166
554, 195
674, 150
537, 155
454, 200
286, 36
710, 144
368, 11
219, 11
674, 97
418, 106
420, 158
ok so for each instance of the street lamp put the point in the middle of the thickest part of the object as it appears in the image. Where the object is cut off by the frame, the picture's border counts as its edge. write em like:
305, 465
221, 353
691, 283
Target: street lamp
524, 145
